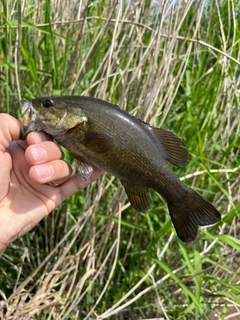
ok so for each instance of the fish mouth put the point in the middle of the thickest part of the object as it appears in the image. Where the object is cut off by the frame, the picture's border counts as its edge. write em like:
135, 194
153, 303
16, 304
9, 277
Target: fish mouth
27, 111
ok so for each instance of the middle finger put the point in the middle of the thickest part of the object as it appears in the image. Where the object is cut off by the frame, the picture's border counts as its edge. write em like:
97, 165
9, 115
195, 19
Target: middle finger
43, 152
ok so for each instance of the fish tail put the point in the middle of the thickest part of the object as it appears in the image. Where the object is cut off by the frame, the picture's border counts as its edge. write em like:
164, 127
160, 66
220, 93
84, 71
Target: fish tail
191, 211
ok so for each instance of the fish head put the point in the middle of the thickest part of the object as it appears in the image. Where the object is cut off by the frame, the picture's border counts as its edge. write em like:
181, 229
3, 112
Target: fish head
53, 116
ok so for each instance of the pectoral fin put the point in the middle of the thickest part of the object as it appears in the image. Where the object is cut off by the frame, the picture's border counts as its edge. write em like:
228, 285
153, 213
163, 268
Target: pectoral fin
97, 141
176, 151
139, 197
85, 169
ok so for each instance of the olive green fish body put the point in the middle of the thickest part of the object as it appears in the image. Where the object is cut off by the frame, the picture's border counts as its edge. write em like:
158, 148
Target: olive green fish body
101, 134
133, 155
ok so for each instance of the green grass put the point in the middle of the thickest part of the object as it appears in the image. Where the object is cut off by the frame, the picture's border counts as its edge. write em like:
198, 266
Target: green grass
175, 65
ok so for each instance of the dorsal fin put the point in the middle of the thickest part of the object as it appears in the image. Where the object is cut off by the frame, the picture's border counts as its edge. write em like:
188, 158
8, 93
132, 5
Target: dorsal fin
175, 149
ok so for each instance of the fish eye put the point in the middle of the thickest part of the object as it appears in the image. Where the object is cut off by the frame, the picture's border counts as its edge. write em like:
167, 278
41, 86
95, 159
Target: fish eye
47, 103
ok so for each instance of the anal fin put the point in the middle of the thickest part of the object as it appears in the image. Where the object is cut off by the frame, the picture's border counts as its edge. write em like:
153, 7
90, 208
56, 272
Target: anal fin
139, 197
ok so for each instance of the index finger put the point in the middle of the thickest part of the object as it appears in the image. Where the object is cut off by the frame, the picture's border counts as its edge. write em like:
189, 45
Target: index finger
38, 137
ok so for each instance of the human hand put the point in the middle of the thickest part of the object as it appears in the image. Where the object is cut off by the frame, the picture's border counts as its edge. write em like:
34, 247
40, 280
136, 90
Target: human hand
26, 167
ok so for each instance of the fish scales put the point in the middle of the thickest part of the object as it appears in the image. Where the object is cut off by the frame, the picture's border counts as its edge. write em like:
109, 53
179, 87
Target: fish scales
99, 133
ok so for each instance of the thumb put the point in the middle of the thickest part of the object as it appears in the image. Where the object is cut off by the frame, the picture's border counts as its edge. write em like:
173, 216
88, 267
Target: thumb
9, 130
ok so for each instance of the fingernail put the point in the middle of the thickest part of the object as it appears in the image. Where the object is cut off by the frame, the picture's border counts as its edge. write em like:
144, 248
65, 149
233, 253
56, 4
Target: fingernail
39, 153
44, 171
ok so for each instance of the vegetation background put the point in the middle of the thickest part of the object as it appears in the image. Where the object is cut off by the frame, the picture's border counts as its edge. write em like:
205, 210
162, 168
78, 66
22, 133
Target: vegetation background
176, 65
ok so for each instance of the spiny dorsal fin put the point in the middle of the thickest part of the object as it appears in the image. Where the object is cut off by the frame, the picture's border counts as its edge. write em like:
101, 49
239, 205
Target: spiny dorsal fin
176, 151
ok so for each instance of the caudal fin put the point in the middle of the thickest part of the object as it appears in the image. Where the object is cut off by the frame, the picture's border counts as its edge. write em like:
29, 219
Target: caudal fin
191, 212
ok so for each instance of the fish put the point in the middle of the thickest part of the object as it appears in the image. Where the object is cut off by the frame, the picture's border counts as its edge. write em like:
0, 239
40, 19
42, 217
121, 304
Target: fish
99, 133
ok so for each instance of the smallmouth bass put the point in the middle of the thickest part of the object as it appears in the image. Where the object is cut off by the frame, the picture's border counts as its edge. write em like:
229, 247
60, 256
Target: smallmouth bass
99, 133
